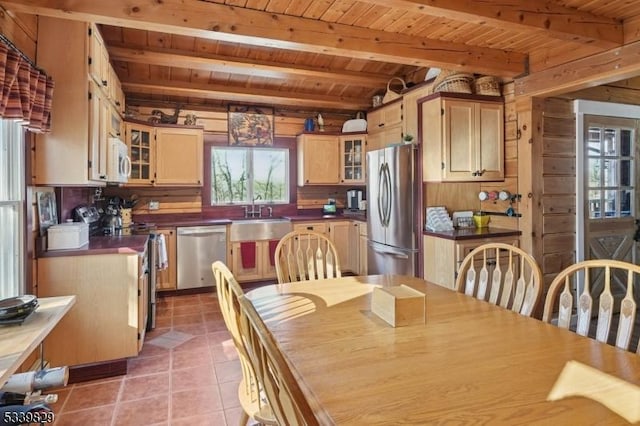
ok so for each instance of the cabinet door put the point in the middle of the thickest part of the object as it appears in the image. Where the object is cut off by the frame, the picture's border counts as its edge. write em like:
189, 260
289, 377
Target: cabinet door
410, 110
166, 278
250, 272
179, 156
460, 156
143, 297
138, 138
267, 270
344, 235
490, 139
96, 55
352, 159
318, 160
99, 119
362, 249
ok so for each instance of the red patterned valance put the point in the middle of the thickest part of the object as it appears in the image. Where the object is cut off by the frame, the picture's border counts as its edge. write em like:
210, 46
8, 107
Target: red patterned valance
26, 91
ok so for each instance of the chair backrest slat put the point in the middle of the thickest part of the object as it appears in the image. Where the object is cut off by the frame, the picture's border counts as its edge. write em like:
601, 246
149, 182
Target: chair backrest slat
283, 392
515, 282
594, 271
306, 255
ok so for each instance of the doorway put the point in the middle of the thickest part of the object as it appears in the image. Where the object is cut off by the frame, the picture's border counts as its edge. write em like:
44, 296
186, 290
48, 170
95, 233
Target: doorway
607, 192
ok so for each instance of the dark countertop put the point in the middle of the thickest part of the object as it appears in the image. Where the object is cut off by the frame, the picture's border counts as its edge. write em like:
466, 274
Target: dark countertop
173, 220
473, 233
126, 244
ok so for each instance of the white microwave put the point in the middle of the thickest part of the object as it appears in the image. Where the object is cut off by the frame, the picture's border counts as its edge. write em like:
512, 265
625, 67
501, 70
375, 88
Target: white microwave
118, 161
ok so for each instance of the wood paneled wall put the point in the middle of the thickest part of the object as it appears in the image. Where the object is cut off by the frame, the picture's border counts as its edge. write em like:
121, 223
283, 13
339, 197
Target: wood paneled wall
285, 123
558, 182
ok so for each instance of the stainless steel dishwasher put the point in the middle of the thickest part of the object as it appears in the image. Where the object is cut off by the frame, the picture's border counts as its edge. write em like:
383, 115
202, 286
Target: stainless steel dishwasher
198, 247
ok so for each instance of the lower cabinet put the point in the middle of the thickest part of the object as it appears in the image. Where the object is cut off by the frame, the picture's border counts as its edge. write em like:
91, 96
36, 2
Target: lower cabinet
252, 260
362, 248
166, 279
443, 257
109, 318
344, 235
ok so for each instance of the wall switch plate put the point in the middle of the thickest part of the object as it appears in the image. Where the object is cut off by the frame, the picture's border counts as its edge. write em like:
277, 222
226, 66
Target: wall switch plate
154, 205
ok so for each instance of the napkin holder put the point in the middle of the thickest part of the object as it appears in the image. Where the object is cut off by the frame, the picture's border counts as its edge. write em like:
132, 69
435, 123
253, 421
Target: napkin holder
399, 305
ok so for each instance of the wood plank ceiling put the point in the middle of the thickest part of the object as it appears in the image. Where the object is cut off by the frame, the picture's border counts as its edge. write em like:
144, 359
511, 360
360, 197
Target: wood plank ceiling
335, 54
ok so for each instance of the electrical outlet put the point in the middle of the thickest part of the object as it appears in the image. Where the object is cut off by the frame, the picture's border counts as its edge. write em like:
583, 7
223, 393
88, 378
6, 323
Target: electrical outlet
154, 205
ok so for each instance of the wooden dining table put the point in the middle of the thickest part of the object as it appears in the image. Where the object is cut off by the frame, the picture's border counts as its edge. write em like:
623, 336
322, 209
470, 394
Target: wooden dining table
469, 363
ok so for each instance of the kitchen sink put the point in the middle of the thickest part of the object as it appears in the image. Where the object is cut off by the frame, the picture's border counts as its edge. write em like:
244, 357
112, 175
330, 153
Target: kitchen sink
259, 229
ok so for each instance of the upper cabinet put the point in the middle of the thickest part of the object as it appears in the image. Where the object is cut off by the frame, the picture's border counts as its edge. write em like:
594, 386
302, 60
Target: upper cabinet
83, 117
318, 159
138, 138
179, 156
384, 125
463, 138
164, 156
331, 159
352, 158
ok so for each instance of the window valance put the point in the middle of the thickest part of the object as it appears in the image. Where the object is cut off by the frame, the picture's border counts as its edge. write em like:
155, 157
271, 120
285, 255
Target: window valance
26, 92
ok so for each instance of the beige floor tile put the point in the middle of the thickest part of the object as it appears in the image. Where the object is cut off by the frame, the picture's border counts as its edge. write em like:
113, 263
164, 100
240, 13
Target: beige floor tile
229, 394
145, 386
189, 378
145, 411
228, 371
191, 358
195, 402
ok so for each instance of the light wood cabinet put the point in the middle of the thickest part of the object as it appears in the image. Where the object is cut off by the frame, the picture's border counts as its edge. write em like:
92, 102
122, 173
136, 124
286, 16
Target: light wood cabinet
139, 138
75, 151
318, 159
443, 257
166, 279
109, 317
320, 227
362, 248
262, 268
463, 139
344, 235
179, 154
384, 125
352, 159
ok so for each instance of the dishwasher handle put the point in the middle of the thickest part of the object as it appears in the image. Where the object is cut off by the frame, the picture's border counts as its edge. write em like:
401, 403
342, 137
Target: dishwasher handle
204, 231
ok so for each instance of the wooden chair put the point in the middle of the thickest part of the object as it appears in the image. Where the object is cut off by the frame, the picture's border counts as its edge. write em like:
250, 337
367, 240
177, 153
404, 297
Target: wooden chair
504, 275
253, 404
286, 399
602, 271
306, 255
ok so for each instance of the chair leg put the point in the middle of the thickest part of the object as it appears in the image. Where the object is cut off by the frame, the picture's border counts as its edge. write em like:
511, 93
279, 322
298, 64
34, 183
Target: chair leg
244, 419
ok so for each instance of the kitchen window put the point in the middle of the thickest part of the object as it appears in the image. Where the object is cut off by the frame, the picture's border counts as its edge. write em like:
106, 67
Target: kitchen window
247, 175
12, 184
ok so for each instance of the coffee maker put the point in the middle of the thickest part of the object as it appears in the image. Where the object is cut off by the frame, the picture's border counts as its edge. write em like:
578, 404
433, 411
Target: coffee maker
354, 199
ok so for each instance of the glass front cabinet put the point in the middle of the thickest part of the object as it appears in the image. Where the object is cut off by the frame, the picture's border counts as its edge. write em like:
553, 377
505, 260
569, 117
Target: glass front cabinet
141, 152
352, 161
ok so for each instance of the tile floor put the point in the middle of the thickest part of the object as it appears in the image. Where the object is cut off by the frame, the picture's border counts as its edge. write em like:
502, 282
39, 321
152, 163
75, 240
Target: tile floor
188, 377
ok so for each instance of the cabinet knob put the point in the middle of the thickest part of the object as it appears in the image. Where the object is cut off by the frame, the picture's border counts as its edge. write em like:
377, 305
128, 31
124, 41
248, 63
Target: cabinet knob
381, 125
104, 82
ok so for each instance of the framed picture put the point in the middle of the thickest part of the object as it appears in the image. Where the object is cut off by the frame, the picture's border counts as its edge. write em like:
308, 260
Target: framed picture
47, 214
250, 126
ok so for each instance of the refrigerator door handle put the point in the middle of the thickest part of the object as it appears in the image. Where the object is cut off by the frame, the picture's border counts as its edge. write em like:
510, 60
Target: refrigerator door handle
389, 195
381, 194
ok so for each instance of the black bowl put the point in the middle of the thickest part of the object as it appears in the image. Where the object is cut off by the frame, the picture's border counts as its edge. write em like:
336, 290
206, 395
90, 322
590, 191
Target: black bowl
17, 307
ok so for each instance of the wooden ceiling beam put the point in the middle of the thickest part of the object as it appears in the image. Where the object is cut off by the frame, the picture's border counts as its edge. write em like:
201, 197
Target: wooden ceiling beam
522, 15
238, 25
595, 70
229, 64
240, 94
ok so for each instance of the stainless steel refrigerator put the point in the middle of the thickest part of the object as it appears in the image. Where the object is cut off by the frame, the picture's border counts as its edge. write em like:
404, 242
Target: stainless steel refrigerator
391, 195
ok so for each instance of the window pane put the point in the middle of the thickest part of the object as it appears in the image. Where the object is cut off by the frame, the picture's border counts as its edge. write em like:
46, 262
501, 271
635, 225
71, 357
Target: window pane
270, 170
625, 143
610, 172
611, 204
594, 172
229, 175
626, 203
625, 172
11, 209
594, 204
610, 145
